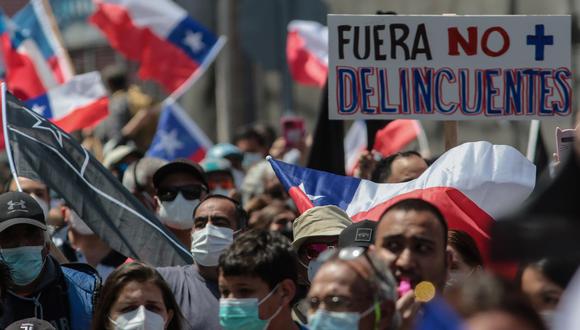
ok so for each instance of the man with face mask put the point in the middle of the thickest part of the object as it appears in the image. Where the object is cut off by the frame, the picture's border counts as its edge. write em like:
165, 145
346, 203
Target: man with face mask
179, 187
60, 294
216, 220
219, 176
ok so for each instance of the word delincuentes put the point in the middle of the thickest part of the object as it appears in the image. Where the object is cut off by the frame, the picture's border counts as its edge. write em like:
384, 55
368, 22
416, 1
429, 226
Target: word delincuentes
421, 90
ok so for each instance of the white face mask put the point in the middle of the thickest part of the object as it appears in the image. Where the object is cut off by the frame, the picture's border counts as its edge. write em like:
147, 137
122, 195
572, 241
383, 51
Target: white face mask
178, 213
43, 205
139, 319
209, 243
78, 224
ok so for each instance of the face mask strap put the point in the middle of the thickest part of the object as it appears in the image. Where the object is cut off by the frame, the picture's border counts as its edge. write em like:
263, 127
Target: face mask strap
269, 294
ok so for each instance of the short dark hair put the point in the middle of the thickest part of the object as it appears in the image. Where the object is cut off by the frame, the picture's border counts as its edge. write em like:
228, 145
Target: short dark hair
559, 270
417, 204
240, 214
465, 246
383, 170
119, 278
267, 255
250, 133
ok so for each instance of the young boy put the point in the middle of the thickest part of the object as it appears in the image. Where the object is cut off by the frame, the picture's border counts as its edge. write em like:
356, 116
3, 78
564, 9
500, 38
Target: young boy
257, 280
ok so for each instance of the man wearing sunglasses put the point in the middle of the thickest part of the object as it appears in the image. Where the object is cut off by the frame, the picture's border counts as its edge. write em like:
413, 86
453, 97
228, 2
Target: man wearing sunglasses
315, 231
179, 187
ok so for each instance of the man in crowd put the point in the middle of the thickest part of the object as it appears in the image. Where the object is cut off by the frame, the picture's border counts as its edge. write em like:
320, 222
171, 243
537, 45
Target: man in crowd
79, 243
259, 265
37, 190
352, 291
315, 231
252, 144
195, 287
138, 179
60, 294
399, 167
220, 178
412, 235
179, 187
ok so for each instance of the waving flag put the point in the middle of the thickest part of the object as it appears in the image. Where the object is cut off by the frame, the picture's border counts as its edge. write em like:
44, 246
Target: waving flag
307, 52
81, 102
396, 135
27, 74
39, 150
178, 136
36, 20
172, 48
471, 184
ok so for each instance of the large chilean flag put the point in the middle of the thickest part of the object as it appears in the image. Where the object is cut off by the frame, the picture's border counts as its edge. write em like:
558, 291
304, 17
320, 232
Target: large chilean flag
170, 46
471, 184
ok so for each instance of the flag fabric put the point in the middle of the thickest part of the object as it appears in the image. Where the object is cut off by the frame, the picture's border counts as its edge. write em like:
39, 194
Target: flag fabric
355, 142
39, 150
307, 52
178, 136
396, 135
79, 103
471, 184
27, 74
36, 20
170, 46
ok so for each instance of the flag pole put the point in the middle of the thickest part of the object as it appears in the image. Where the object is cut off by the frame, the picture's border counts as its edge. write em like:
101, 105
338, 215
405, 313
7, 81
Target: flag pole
533, 140
59, 40
6, 138
211, 55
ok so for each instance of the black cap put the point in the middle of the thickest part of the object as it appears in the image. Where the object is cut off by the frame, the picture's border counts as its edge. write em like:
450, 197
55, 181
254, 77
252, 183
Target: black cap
31, 324
360, 233
19, 208
179, 166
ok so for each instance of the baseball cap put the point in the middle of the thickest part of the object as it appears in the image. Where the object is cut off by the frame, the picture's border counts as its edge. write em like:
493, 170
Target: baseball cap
179, 166
20, 208
328, 220
358, 234
31, 324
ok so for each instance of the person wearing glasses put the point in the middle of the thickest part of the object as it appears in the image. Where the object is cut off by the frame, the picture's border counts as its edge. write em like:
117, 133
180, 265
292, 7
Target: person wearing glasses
257, 280
315, 231
353, 289
179, 187
216, 220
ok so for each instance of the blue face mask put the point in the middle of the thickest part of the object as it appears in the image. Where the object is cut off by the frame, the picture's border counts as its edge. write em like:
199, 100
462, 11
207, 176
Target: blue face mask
244, 314
25, 263
336, 320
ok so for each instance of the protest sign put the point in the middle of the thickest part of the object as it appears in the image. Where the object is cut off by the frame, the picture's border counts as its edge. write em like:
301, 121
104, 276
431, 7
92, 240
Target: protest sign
449, 67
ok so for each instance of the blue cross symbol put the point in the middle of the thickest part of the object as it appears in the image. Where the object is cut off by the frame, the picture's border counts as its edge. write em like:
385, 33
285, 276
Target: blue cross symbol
539, 40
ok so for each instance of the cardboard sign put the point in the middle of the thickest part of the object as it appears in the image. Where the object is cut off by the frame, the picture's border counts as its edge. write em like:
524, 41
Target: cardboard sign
449, 67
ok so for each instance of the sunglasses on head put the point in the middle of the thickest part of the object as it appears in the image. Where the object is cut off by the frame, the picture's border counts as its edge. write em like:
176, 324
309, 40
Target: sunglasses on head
167, 194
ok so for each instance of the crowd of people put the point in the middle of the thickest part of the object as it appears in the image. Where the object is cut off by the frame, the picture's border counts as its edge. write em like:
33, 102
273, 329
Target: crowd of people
258, 262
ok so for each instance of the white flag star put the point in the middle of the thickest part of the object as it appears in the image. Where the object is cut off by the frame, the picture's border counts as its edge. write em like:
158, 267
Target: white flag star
39, 109
312, 198
168, 143
194, 41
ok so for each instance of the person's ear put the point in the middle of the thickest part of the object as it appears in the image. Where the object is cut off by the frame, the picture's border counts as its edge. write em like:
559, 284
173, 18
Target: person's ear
448, 261
288, 291
169, 317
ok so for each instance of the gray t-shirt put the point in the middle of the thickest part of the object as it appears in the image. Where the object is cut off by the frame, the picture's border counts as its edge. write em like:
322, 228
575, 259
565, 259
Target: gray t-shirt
197, 298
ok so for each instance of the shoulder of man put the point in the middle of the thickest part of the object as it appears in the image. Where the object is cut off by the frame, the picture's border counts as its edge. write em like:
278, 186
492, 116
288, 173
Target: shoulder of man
83, 287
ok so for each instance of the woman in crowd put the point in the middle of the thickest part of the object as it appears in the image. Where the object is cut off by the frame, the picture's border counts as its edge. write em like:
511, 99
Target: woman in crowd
466, 259
135, 296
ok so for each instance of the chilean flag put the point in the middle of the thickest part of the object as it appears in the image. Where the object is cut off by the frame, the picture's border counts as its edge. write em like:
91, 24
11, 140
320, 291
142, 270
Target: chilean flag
178, 136
38, 23
27, 74
471, 184
79, 103
396, 135
172, 48
307, 52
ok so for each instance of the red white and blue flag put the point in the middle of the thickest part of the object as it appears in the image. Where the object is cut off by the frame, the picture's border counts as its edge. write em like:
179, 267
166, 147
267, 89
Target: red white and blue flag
26, 72
172, 48
37, 23
178, 136
307, 52
471, 184
79, 103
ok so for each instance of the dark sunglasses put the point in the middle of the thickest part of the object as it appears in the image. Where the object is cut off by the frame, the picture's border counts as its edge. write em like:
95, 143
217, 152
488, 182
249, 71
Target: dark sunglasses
168, 194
